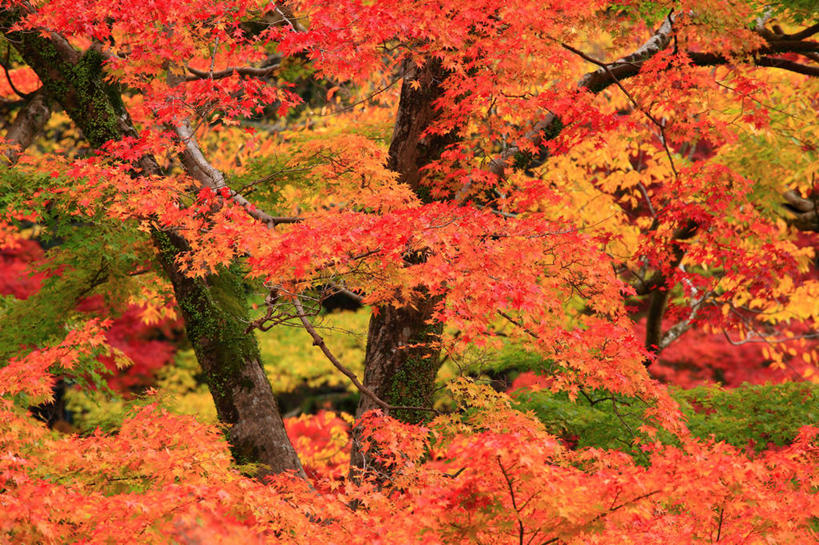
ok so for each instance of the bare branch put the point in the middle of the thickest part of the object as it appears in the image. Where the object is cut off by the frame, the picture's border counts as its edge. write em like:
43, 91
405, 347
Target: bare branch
5, 65
318, 340
348, 293
678, 329
518, 323
802, 34
754, 337
197, 165
715, 59
256, 72
648, 200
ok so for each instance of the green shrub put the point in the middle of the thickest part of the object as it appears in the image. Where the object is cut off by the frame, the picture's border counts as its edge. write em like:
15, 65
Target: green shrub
750, 417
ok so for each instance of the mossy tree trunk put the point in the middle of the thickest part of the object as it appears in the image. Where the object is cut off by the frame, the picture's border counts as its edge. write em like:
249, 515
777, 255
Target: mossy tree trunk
215, 312
403, 356
214, 308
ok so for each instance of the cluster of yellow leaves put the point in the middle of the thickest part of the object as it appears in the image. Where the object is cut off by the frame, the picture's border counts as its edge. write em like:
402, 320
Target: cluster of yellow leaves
153, 296
288, 361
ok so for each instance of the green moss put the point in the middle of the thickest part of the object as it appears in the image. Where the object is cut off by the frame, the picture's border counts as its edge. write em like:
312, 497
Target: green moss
216, 316
94, 104
100, 102
413, 383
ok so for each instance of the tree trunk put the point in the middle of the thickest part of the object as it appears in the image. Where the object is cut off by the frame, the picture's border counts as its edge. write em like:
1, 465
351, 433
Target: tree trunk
401, 363
402, 356
659, 291
30, 121
215, 312
214, 308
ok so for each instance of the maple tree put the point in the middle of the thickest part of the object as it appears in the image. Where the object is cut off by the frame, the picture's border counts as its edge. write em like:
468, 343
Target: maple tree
518, 187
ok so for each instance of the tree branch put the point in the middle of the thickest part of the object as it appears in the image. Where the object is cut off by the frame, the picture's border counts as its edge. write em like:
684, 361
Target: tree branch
802, 34
630, 65
5, 65
256, 72
510, 486
805, 211
595, 82
660, 125
715, 59
198, 167
677, 330
318, 340
659, 296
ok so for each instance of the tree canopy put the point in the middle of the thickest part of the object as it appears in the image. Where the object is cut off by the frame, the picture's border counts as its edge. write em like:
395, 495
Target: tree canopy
585, 196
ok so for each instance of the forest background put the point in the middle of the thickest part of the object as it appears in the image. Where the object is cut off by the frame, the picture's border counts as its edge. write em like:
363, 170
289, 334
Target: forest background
435, 272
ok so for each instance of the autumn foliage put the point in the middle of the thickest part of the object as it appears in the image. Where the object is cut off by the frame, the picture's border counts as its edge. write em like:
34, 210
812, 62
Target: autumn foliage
621, 195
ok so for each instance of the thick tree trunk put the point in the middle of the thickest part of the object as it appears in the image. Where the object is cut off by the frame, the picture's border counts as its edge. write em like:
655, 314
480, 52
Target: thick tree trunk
402, 356
654, 320
214, 308
215, 312
410, 150
400, 344
401, 363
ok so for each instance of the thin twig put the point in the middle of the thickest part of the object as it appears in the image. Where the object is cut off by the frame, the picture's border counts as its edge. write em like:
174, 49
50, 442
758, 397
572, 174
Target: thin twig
509, 485
660, 125
319, 341
19, 93
519, 324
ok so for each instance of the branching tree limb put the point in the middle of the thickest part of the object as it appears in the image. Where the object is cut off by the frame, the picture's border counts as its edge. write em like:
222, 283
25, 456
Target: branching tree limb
318, 341
630, 65
198, 167
269, 66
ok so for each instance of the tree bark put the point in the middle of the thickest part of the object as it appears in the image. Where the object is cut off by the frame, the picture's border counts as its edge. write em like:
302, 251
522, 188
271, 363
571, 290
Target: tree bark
214, 308
659, 288
28, 123
215, 313
403, 356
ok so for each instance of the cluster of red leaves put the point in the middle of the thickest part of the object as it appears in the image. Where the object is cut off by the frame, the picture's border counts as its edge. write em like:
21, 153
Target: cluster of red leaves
492, 477
16, 275
706, 358
322, 441
23, 80
147, 347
